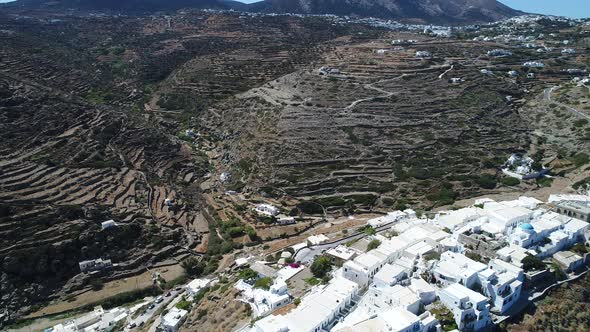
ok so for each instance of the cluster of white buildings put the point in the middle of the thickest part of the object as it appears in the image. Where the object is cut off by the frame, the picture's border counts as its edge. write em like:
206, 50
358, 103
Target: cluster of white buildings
95, 321
264, 301
318, 310
427, 265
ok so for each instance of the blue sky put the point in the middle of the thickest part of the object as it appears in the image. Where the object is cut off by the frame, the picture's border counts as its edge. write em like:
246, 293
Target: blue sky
571, 8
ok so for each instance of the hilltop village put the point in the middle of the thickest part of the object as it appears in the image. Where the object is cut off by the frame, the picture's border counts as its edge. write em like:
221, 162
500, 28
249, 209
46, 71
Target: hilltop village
465, 269
367, 175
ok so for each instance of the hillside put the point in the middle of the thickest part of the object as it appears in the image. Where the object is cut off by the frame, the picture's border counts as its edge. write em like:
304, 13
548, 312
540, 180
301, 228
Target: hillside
421, 11
134, 6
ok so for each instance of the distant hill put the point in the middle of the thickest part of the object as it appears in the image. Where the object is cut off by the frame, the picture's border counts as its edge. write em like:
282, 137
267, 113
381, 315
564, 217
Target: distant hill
428, 11
422, 10
133, 5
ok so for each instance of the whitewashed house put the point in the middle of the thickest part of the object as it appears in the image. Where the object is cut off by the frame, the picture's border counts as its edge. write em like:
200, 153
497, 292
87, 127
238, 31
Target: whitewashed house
470, 309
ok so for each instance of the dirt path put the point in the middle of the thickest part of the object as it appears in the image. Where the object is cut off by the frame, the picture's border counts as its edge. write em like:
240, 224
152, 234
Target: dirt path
547, 97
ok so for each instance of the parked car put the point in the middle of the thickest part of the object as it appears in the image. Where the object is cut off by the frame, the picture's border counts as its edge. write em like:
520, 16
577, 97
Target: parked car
151, 306
159, 299
131, 325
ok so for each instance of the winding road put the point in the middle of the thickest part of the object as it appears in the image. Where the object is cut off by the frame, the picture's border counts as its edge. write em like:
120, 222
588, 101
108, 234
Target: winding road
547, 97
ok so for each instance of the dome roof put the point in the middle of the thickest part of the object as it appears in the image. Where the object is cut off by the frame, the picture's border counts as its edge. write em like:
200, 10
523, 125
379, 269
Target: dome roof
527, 227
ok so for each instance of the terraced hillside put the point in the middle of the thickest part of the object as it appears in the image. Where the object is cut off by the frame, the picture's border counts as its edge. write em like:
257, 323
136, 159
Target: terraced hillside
67, 166
91, 115
390, 128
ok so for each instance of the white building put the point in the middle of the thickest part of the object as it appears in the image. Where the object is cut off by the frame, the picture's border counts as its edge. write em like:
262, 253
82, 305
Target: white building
425, 291
266, 210
389, 275
423, 55
95, 321
95, 265
172, 321
377, 299
395, 320
264, 301
457, 268
505, 218
549, 233
362, 269
108, 224
568, 51
502, 283
470, 309
513, 255
319, 310
499, 53
391, 217
314, 240
196, 285
458, 218
534, 64
341, 254
570, 261
513, 73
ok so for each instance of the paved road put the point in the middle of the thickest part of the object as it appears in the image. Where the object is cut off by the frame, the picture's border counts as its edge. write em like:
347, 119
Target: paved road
306, 255
547, 97
148, 313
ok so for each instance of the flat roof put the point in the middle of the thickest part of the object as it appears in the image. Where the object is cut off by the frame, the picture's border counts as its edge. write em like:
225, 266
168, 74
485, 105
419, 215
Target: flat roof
342, 252
506, 213
198, 283
583, 207
420, 285
575, 225
463, 292
567, 256
368, 260
399, 319
174, 316
388, 272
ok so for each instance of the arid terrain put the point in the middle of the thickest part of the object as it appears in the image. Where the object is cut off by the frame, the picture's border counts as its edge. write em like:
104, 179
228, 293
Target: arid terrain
177, 126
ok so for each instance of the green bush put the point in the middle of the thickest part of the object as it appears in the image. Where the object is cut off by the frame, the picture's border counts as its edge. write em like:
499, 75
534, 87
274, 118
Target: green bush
183, 304
374, 244
248, 274
193, 267
581, 159
531, 262
486, 181
510, 181
321, 266
96, 284
580, 123
263, 283
544, 182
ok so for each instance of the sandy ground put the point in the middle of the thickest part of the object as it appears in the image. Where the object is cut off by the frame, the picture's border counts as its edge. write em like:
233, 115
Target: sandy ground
143, 280
332, 229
